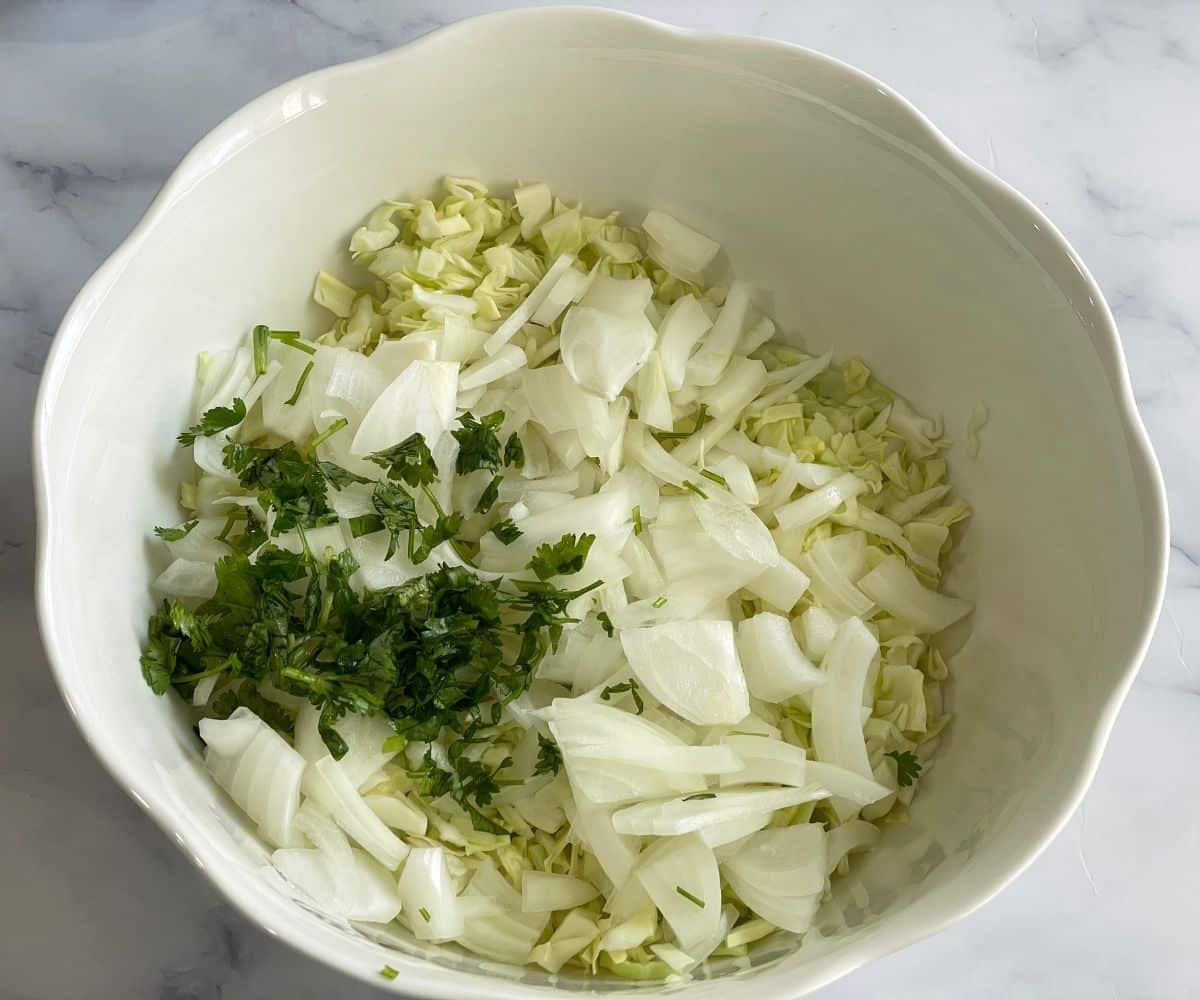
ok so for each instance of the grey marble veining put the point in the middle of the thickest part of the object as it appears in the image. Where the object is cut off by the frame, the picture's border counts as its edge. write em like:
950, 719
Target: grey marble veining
1087, 106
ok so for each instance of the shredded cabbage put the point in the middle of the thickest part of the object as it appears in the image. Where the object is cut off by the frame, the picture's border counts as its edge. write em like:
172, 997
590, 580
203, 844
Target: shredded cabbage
745, 684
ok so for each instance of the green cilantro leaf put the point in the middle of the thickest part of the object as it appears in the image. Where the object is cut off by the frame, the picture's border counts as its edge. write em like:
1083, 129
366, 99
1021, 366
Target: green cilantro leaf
395, 512
432, 535
175, 534
338, 477
287, 481
549, 758
219, 418
490, 493
478, 445
514, 451
908, 768
606, 623
564, 557
506, 530
410, 462
631, 686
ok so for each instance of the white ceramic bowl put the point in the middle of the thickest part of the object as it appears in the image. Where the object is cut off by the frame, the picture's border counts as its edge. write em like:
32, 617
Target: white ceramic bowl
864, 229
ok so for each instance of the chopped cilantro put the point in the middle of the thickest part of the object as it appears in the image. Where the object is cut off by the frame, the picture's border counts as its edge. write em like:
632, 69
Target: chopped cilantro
606, 623
338, 477
506, 530
693, 488
396, 512
514, 451
549, 758
328, 432
694, 900
175, 534
431, 656
291, 400
908, 768
219, 418
632, 687
488, 497
478, 445
564, 557
291, 338
410, 462
288, 482
258, 338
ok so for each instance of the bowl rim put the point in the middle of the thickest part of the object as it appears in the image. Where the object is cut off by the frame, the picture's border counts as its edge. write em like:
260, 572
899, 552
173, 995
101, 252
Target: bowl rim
231, 135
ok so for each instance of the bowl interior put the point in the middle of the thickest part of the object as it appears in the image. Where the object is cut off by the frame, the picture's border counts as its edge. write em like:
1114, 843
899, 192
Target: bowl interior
862, 231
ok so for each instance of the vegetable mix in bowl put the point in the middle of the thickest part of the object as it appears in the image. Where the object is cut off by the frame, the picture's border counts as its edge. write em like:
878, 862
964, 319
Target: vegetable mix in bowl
546, 604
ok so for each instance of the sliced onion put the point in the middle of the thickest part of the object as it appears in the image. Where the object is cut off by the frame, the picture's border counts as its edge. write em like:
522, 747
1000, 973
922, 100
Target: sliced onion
687, 864
678, 333
767, 761
330, 787
894, 587
692, 668
542, 892
787, 862
604, 350
432, 906
813, 507
856, 835
817, 629
775, 667
420, 401
677, 816
837, 729
187, 578
261, 773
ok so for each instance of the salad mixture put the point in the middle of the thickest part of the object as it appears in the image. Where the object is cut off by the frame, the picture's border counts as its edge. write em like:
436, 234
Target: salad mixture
547, 604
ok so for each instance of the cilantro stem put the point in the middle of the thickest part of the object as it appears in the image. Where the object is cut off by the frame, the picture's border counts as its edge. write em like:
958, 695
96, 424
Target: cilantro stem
695, 900
291, 400
716, 477
210, 672
693, 488
432, 499
328, 432
230, 521
304, 542
291, 338
259, 340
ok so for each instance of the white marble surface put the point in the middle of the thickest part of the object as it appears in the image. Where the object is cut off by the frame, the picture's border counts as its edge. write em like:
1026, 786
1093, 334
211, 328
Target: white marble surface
1087, 106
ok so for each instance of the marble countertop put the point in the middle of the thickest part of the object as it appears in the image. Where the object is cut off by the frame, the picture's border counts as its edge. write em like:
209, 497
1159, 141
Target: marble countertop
1082, 105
